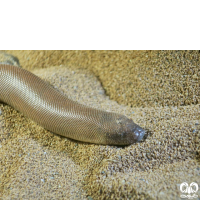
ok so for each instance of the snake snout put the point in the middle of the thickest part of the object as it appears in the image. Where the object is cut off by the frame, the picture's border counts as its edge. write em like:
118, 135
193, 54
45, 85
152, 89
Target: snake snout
136, 132
139, 133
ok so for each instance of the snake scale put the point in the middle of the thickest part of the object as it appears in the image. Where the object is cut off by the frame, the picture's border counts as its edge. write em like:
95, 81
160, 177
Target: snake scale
37, 100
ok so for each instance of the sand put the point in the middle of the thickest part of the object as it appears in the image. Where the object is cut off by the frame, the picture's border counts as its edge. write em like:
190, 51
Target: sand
159, 90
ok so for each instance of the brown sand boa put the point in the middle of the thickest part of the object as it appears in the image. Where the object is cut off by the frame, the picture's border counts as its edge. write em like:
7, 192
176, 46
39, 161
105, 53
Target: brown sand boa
39, 101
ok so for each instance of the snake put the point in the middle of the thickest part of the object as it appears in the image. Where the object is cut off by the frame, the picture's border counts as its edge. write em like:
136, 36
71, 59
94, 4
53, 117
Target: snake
39, 101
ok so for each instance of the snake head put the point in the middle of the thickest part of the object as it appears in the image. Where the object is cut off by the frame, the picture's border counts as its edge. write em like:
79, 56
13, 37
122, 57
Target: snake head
125, 132
134, 132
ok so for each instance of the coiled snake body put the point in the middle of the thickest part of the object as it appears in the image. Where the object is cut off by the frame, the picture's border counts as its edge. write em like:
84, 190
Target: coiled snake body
52, 110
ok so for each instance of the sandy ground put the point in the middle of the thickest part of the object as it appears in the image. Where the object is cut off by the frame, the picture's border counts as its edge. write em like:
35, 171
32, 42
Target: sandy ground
37, 164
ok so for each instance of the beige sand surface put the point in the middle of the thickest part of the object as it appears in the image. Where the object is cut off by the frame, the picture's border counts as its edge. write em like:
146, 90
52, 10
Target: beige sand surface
159, 90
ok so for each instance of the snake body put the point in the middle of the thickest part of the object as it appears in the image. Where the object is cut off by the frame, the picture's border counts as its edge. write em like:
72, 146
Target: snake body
37, 100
